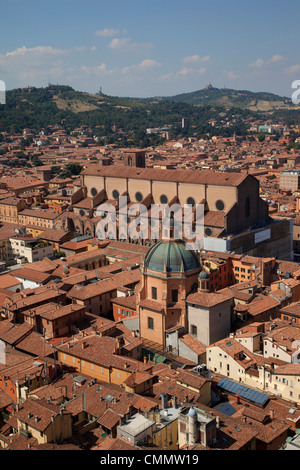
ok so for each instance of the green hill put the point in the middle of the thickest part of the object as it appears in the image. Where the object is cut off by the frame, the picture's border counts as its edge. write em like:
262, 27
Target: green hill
224, 97
124, 120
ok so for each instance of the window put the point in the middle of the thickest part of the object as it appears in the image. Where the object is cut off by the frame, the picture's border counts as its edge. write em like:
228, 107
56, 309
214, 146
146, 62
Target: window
193, 329
163, 199
174, 295
220, 205
138, 196
154, 293
150, 323
191, 201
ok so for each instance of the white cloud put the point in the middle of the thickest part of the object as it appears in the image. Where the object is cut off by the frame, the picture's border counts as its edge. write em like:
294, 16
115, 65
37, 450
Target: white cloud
37, 65
184, 72
100, 70
166, 77
125, 44
146, 64
231, 75
293, 69
192, 59
39, 50
257, 64
107, 32
117, 43
276, 58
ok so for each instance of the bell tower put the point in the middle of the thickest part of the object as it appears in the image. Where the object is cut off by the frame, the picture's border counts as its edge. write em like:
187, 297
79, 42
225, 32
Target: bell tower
134, 158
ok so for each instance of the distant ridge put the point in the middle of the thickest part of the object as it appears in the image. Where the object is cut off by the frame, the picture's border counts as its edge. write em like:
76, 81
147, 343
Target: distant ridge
37, 108
226, 97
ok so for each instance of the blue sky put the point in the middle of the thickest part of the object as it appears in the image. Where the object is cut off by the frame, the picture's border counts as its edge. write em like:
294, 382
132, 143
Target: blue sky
151, 48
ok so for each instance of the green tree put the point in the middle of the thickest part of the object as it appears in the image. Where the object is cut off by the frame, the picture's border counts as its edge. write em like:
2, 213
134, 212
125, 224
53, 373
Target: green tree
37, 162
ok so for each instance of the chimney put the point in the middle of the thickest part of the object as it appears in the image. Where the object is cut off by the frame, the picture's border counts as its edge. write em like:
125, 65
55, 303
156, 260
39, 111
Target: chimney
174, 401
237, 399
272, 414
36, 418
145, 360
83, 344
164, 403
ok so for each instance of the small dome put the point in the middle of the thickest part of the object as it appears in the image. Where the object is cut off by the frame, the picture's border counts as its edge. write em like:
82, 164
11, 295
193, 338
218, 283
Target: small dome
203, 275
171, 256
192, 413
65, 270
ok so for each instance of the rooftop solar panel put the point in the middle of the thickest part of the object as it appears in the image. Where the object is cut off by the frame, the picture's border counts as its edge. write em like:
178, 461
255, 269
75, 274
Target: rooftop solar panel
244, 392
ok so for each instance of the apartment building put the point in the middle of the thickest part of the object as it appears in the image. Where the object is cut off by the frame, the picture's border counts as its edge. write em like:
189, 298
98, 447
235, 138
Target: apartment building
30, 249
290, 180
98, 357
10, 208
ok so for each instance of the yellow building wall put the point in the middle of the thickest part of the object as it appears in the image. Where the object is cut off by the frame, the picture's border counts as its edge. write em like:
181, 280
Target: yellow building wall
226, 193
115, 376
167, 437
186, 190
142, 186
160, 187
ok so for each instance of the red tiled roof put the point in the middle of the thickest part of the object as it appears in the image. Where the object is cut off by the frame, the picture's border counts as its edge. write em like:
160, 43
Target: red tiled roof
188, 176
